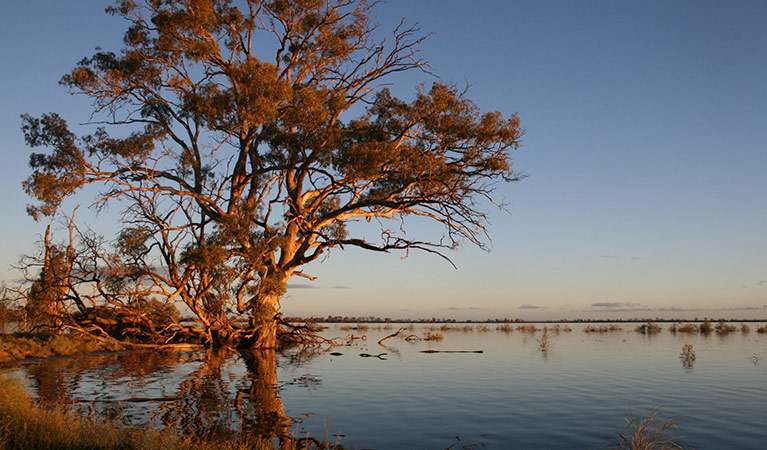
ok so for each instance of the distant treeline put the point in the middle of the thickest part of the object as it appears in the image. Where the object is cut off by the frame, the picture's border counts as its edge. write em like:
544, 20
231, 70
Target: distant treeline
373, 319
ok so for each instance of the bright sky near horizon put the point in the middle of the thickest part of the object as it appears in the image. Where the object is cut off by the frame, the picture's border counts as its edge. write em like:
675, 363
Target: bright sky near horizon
645, 125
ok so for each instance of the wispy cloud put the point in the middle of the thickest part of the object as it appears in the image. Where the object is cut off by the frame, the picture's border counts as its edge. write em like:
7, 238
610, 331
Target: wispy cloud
531, 307
618, 305
469, 308
341, 287
762, 283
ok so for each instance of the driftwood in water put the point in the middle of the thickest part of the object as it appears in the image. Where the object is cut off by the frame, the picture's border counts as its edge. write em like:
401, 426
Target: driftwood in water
368, 355
391, 335
452, 351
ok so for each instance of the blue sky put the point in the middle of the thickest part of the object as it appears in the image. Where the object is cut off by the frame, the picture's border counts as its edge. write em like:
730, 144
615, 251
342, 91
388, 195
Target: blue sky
644, 143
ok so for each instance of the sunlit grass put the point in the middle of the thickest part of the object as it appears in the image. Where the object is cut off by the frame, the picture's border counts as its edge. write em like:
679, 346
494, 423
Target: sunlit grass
28, 345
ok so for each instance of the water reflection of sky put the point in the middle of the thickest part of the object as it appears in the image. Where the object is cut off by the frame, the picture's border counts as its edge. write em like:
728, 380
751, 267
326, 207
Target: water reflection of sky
511, 395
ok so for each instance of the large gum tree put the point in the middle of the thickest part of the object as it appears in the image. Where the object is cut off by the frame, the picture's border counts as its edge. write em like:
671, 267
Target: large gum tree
241, 138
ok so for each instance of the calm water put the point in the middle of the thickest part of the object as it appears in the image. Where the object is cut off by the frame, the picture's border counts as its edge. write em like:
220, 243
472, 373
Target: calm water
512, 395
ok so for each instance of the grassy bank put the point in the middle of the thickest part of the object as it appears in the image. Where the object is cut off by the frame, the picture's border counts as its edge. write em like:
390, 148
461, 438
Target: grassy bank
25, 424
28, 345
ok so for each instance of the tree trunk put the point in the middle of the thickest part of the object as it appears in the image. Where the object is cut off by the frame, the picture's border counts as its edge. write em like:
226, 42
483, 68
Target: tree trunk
263, 323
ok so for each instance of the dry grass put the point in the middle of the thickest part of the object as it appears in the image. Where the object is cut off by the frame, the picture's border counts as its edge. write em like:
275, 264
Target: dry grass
647, 433
19, 346
505, 328
527, 328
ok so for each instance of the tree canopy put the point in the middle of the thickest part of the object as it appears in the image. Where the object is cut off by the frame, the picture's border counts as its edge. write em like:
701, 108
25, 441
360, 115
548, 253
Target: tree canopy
240, 139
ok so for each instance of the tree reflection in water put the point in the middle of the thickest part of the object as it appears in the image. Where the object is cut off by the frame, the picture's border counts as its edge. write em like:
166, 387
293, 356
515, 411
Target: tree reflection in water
216, 399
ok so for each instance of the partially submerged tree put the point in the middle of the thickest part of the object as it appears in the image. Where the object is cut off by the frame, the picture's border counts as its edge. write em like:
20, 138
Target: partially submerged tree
241, 142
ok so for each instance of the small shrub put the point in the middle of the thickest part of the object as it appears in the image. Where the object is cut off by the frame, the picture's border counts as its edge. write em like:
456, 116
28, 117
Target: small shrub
687, 356
649, 328
686, 328
601, 328
429, 336
724, 328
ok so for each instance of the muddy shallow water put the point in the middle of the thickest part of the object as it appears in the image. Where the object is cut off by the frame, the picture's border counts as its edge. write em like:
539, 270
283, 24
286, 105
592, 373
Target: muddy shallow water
512, 395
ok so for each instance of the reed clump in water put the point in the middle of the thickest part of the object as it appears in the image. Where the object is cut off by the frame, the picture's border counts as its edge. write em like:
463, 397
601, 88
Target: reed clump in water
429, 336
762, 330
527, 328
745, 329
601, 328
706, 327
647, 433
544, 343
649, 328
686, 328
687, 356
723, 328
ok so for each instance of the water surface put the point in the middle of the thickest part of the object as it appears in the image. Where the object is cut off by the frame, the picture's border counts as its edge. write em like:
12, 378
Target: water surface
512, 395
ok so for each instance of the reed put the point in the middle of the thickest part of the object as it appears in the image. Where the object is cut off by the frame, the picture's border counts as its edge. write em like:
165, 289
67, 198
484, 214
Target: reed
647, 433
543, 342
706, 327
506, 328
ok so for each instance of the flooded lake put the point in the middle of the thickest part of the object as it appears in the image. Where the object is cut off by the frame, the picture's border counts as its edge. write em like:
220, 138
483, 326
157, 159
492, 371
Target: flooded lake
511, 395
